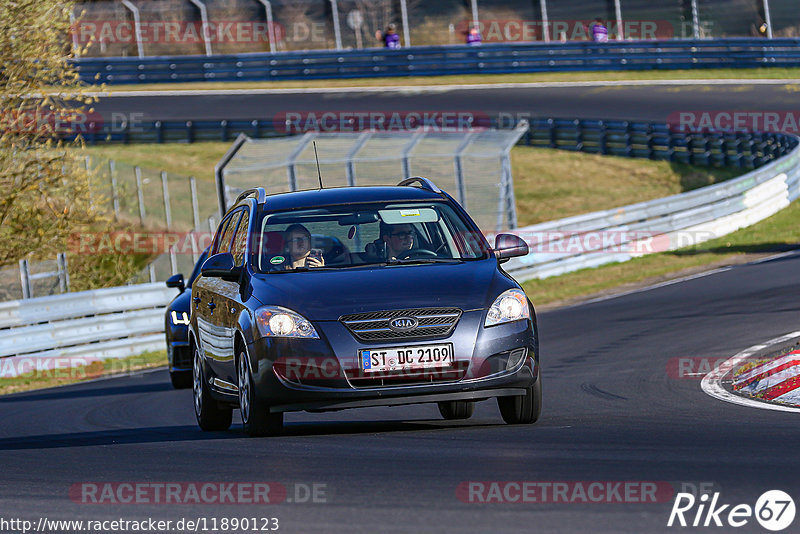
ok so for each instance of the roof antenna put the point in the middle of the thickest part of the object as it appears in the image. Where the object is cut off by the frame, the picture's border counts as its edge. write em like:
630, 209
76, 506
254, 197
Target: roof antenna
319, 174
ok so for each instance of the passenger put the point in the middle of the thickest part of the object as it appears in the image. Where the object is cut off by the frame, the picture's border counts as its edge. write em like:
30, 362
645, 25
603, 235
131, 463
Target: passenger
297, 242
399, 239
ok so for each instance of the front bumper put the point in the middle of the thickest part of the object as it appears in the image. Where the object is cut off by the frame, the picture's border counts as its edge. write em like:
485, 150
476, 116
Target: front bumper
317, 374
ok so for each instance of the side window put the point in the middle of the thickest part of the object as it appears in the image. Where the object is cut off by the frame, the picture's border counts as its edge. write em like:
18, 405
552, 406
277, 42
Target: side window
224, 242
240, 240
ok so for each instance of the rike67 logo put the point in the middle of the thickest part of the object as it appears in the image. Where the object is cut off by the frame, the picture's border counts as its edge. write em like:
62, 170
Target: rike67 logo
774, 510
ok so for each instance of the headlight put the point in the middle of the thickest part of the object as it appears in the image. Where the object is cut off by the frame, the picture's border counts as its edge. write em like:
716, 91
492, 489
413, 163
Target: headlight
511, 305
274, 321
181, 318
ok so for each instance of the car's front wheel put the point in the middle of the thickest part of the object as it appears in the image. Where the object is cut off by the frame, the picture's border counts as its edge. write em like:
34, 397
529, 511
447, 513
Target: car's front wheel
256, 417
456, 409
210, 414
523, 409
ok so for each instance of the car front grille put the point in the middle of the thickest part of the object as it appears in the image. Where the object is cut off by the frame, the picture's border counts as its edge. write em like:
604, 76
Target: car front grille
359, 379
374, 326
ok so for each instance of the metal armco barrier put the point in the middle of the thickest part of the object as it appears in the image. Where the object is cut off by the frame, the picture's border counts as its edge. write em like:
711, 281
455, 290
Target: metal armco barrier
79, 328
669, 223
443, 60
618, 138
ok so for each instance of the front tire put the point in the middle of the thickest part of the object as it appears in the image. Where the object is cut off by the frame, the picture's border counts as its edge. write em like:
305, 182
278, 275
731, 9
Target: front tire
523, 409
456, 409
211, 416
256, 417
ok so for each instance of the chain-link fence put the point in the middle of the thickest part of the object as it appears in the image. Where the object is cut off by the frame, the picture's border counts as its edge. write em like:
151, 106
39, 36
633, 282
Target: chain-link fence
213, 27
173, 215
472, 165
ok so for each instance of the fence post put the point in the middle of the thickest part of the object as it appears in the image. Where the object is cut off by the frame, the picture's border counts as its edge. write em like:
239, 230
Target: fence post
173, 260
204, 21
165, 189
88, 164
767, 19
618, 11
63, 273
270, 24
358, 145
337, 31
404, 16
195, 218
462, 189
415, 138
140, 194
112, 167
545, 21
137, 26
25, 279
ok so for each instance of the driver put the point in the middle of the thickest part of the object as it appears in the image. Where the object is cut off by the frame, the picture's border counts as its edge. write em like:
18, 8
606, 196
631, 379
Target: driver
399, 239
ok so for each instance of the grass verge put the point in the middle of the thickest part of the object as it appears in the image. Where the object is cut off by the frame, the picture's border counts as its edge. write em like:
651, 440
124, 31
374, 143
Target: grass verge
775, 73
52, 377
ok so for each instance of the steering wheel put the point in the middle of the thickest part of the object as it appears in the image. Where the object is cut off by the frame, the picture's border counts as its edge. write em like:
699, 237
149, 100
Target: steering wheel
417, 252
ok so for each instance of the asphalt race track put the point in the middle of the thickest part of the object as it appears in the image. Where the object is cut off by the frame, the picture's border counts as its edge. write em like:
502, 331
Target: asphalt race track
612, 412
628, 102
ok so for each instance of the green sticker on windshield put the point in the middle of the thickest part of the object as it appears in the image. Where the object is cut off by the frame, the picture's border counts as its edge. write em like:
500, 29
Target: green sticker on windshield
277, 259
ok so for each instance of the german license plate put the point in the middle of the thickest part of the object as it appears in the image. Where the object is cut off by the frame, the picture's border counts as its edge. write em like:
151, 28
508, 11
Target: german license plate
404, 358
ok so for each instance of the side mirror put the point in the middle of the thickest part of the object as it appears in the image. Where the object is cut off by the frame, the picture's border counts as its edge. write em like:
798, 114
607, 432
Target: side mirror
176, 280
221, 266
508, 246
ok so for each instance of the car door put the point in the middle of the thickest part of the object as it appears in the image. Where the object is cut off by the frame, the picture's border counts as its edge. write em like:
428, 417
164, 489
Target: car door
210, 307
229, 293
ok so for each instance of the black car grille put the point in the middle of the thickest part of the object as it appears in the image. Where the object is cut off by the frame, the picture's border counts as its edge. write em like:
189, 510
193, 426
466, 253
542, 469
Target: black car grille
360, 379
374, 326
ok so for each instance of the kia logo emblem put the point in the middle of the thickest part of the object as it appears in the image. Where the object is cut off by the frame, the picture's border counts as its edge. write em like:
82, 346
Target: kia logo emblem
403, 324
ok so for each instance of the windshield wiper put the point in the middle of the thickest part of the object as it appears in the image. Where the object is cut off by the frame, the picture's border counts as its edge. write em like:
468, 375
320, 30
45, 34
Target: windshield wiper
410, 261
296, 269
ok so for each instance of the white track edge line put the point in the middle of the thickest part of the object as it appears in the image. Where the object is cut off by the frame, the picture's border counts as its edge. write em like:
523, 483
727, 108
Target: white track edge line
436, 88
711, 383
678, 280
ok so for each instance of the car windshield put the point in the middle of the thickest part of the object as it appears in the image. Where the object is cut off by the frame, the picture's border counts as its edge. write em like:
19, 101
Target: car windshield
340, 237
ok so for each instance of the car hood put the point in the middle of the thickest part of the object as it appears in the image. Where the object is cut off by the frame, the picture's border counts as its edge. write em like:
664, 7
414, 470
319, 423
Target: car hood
326, 295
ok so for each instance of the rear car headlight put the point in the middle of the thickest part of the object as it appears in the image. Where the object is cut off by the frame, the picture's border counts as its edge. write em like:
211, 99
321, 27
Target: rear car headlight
511, 305
274, 321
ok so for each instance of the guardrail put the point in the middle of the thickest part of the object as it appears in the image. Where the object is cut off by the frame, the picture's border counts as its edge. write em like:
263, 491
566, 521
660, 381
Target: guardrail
677, 221
443, 60
78, 328
619, 138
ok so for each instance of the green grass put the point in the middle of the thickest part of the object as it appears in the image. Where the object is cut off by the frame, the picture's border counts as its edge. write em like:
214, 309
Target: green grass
409, 81
60, 377
553, 184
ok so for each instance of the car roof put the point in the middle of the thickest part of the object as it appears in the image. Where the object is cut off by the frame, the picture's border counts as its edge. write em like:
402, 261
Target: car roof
347, 195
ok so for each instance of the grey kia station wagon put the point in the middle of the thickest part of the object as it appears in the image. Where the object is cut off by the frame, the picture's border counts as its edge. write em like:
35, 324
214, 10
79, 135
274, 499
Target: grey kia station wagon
358, 296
